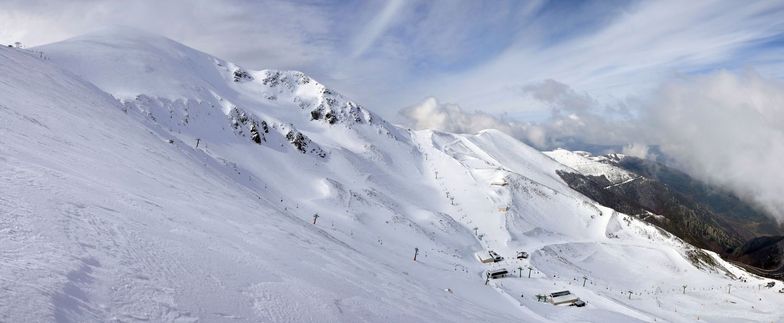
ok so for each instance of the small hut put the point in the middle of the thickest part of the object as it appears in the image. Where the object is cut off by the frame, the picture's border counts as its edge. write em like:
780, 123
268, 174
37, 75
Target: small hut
563, 297
484, 258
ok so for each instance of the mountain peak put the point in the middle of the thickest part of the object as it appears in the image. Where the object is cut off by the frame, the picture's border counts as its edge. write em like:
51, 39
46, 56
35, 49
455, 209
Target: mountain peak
127, 62
121, 33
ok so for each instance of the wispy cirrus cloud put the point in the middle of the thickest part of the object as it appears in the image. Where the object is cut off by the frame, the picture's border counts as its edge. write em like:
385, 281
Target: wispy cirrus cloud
474, 53
379, 24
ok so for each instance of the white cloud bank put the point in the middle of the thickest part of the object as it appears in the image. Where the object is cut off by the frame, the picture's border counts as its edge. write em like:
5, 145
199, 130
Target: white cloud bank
726, 129
571, 115
430, 114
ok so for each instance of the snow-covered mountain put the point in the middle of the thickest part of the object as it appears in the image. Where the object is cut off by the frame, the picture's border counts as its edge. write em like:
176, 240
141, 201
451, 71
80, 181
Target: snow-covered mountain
587, 164
110, 211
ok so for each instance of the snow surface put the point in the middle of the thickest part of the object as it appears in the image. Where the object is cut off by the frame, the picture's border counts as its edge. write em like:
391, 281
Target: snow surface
108, 211
586, 164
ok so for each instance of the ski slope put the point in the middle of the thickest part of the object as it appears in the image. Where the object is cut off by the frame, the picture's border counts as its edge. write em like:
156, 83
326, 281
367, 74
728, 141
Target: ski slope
109, 211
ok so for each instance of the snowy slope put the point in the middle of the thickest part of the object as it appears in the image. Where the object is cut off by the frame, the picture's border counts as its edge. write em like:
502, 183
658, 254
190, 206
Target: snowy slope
110, 212
104, 220
586, 164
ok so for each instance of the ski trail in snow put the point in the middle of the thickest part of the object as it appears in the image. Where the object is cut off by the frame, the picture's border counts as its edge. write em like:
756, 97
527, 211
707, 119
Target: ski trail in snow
623, 183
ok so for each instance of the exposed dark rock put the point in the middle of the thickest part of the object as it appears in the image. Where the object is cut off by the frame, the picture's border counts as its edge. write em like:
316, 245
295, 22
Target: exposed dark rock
255, 135
299, 140
241, 75
264, 127
315, 114
304, 144
330, 117
240, 120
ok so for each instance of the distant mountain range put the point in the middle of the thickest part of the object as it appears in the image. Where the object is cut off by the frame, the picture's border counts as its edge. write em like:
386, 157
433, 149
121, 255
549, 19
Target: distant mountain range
703, 215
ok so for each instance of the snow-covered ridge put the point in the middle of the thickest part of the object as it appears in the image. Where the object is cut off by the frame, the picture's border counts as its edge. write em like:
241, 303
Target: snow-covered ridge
187, 91
145, 181
586, 164
128, 63
323, 103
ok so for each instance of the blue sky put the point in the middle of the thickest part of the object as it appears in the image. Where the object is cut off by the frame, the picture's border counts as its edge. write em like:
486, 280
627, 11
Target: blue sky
394, 54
